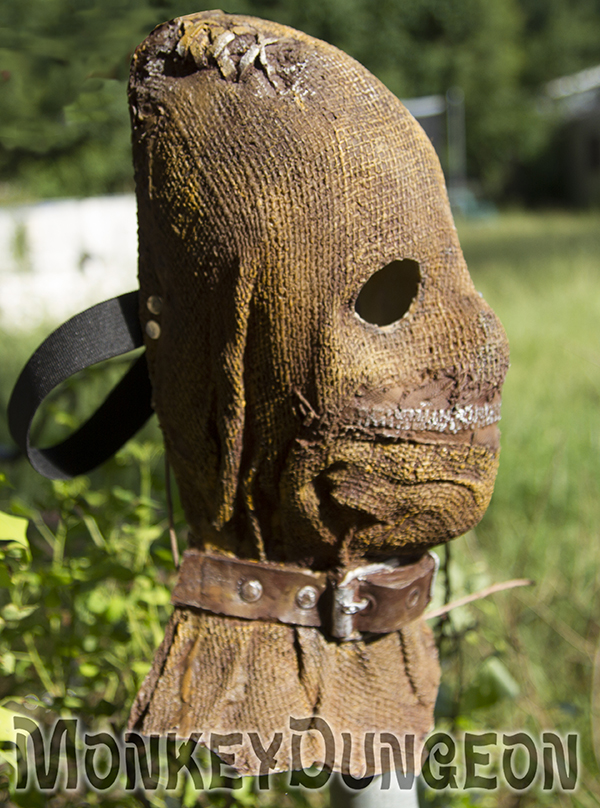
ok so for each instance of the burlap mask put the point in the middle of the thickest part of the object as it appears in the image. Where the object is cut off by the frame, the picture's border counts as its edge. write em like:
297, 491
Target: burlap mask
275, 178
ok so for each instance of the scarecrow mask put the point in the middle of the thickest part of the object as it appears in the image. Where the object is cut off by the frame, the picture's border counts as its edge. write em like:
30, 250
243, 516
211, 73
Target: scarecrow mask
326, 377
327, 380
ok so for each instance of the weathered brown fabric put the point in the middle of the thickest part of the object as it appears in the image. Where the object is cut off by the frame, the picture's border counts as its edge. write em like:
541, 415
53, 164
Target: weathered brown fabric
275, 176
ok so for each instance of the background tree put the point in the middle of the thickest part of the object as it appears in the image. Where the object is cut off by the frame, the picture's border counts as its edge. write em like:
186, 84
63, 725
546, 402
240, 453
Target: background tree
63, 70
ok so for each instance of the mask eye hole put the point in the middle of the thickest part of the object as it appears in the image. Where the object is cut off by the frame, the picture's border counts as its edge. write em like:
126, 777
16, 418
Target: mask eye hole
387, 295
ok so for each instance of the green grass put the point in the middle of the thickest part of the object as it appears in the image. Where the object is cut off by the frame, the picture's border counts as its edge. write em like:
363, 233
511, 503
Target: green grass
527, 659
541, 274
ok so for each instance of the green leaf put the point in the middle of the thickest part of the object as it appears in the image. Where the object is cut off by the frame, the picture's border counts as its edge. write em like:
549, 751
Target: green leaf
7, 730
5, 578
504, 683
140, 667
123, 494
158, 596
115, 609
98, 600
13, 612
492, 684
7, 661
73, 703
7, 735
14, 529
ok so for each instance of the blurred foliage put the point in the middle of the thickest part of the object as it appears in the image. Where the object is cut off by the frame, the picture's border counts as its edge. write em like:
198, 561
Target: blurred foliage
86, 573
540, 274
64, 64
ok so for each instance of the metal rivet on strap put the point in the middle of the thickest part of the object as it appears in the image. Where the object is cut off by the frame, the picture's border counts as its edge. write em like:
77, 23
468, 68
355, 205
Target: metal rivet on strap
154, 304
412, 598
251, 590
153, 329
306, 597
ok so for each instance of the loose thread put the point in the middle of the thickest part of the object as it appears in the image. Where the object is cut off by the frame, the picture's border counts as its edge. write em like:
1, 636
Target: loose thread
172, 534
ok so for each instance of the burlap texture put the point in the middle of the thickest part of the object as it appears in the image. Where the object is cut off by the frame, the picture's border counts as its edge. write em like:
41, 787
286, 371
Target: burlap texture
275, 176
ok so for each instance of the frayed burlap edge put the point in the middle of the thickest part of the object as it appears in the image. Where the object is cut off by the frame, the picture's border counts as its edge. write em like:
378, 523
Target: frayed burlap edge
359, 707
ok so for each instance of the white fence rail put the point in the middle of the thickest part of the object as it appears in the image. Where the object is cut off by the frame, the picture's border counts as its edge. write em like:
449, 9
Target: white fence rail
59, 257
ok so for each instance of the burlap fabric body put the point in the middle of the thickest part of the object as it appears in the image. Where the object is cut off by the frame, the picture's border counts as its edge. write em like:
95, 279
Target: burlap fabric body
275, 176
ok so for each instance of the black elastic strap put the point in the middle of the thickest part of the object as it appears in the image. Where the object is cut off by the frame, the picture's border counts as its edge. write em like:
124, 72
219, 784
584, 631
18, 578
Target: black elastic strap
109, 329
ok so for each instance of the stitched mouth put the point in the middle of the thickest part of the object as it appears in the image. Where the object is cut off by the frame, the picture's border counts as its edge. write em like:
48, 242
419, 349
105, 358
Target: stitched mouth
446, 409
428, 419
473, 423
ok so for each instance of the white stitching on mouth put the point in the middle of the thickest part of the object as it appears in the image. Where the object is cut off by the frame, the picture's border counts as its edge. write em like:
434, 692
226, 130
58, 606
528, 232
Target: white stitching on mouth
427, 419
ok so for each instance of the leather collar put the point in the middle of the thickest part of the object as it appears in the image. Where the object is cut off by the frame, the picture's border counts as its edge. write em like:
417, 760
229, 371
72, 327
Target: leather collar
374, 598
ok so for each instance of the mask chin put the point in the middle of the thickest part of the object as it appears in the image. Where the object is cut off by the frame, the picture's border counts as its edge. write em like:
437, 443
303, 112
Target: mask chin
359, 498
